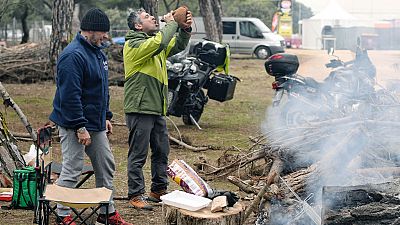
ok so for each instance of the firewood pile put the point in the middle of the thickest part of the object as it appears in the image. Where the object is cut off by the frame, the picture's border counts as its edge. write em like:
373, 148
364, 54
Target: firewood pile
26, 63
29, 63
297, 161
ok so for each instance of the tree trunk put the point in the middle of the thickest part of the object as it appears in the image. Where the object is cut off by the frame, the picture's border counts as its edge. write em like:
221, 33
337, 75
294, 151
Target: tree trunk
61, 33
232, 216
151, 6
169, 4
4, 5
25, 29
76, 23
217, 8
211, 12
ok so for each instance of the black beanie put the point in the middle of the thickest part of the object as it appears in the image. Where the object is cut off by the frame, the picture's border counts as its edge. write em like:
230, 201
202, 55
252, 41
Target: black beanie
95, 20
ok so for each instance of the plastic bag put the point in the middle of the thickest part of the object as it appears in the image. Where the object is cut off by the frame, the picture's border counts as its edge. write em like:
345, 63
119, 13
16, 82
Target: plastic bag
188, 179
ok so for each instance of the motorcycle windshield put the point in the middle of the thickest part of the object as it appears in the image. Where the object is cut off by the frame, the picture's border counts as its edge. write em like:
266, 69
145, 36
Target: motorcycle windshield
178, 57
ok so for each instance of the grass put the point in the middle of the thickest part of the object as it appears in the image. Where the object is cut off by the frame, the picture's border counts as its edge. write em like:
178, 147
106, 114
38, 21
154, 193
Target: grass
223, 125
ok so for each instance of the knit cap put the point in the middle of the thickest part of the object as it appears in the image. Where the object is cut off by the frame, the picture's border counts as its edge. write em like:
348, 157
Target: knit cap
95, 20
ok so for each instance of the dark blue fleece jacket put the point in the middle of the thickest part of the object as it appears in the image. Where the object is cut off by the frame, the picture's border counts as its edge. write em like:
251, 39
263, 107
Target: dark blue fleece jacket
82, 97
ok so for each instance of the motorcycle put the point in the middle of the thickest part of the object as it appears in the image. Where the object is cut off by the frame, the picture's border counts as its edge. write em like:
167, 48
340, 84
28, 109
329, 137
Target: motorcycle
189, 76
349, 88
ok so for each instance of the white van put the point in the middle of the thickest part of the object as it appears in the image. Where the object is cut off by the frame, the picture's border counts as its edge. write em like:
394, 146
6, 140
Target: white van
244, 36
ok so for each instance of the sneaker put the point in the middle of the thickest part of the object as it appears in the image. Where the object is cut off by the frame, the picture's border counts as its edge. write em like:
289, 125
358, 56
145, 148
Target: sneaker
68, 220
155, 196
140, 202
114, 219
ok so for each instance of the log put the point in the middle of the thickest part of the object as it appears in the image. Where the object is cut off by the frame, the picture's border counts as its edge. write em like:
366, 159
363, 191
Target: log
362, 204
176, 216
380, 172
240, 162
8, 166
275, 171
259, 196
183, 144
242, 185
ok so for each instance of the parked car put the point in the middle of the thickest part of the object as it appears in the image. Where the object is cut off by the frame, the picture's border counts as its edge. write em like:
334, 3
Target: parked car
244, 36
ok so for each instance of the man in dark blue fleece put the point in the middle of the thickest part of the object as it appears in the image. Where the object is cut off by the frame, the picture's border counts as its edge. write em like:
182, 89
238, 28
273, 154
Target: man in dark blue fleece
81, 110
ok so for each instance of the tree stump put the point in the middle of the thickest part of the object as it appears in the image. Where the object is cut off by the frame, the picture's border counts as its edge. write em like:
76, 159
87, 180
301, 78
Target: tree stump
176, 216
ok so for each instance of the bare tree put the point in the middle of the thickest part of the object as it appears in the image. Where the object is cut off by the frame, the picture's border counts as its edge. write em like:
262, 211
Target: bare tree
169, 4
75, 19
61, 29
211, 11
25, 28
5, 6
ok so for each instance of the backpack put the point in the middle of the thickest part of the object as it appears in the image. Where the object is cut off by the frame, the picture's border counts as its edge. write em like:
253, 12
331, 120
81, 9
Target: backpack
24, 188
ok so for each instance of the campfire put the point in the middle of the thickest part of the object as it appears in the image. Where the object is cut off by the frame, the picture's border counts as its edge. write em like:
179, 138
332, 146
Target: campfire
327, 169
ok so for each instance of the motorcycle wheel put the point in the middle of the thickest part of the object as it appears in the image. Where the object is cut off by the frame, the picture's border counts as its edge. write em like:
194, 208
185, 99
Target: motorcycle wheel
196, 112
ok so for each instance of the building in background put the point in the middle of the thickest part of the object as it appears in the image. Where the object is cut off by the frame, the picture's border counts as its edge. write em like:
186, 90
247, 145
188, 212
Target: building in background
339, 25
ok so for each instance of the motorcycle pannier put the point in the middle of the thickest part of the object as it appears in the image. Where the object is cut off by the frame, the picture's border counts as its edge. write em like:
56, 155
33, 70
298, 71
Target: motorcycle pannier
211, 52
221, 87
281, 64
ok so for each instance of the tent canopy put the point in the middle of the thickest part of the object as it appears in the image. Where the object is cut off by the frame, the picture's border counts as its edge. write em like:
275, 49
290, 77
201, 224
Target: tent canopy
333, 11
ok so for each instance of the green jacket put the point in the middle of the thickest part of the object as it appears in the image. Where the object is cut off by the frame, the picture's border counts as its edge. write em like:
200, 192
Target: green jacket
146, 79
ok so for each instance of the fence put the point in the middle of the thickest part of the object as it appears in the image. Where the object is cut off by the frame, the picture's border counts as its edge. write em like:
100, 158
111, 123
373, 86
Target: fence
11, 33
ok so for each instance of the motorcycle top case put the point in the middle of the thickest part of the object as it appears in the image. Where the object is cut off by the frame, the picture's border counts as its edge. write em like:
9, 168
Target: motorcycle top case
211, 52
221, 87
281, 64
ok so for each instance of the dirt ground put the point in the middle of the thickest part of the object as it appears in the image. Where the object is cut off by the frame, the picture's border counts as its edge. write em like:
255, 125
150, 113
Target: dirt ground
252, 97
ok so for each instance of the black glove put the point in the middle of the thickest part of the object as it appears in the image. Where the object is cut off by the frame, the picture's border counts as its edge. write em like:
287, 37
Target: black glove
231, 197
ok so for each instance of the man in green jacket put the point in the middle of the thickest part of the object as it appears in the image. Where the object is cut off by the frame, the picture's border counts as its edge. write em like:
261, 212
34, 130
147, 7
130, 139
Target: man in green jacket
146, 88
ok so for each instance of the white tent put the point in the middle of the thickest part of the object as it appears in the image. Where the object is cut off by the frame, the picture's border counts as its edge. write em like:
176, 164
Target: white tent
332, 15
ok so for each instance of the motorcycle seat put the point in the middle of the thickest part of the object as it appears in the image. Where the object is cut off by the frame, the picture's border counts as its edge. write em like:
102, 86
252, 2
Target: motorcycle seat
312, 82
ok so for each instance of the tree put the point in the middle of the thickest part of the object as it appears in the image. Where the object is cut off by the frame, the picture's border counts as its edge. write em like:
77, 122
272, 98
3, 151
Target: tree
300, 12
211, 12
168, 5
6, 6
264, 10
193, 6
61, 29
23, 15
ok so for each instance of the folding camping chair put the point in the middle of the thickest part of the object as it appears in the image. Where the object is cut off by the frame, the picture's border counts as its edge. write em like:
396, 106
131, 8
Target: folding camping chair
79, 200
76, 199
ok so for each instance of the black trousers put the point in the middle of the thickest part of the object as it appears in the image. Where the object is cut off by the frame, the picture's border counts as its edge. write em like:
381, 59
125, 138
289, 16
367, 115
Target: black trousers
145, 129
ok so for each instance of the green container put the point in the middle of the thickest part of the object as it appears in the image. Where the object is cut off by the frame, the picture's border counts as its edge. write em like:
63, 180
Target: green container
25, 188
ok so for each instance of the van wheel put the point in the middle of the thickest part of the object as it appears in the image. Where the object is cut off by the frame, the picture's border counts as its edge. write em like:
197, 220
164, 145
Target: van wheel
262, 52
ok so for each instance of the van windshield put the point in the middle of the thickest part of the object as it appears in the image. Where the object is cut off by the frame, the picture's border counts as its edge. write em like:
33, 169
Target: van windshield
263, 28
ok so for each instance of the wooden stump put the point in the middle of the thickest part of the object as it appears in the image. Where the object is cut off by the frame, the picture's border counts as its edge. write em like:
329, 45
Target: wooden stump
176, 216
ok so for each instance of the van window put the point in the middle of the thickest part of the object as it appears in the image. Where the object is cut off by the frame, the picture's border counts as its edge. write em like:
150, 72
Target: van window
229, 27
248, 29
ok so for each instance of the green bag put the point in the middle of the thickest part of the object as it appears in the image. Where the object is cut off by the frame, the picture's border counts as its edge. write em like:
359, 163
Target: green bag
24, 188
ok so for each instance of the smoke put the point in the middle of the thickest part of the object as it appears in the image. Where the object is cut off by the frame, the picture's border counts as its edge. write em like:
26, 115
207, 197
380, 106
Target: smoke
347, 128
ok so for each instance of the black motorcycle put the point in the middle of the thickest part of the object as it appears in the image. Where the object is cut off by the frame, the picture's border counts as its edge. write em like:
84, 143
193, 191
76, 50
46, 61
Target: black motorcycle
349, 88
189, 76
